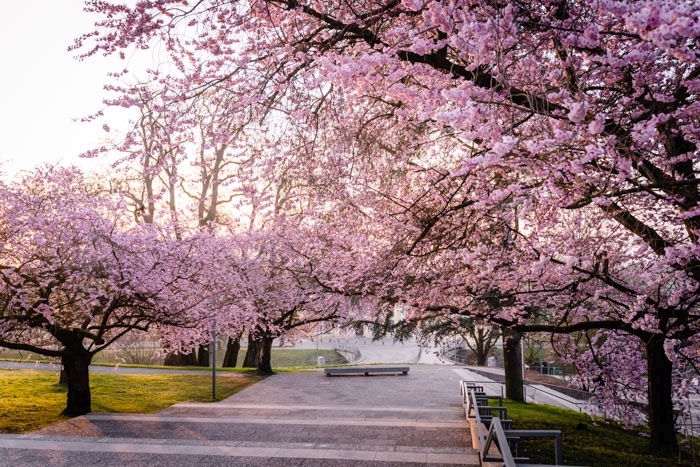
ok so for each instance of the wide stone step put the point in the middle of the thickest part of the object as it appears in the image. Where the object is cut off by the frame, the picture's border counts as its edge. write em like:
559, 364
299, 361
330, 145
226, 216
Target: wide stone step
56, 450
277, 419
389, 432
317, 412
290, 419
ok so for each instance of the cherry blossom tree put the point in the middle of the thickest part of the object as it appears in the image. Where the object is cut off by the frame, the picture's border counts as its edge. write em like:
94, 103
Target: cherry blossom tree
180, 161
480, 338
150, 153
575, 132
75, 275
278, 286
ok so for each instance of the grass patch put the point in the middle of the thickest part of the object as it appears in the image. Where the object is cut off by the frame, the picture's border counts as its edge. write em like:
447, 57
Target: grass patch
281, 358
32, 399
586, 443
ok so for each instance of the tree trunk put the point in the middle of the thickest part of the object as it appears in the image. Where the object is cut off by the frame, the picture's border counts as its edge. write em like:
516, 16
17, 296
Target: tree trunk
480, 348
513, 365
252, 355
659, 373
231, 356
63, 378
203, 355
76, 364
265, 365
180, 359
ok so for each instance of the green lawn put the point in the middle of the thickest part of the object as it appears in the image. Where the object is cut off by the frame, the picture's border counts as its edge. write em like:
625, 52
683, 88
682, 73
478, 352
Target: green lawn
33, 399
281, 358
586, 443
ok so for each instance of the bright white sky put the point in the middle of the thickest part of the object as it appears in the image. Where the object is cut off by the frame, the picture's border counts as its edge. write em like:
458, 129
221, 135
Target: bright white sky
44, 87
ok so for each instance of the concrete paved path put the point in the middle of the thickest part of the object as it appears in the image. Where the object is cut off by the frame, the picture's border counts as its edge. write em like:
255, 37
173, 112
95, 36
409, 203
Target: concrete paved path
289, 419
536, 393
385, 350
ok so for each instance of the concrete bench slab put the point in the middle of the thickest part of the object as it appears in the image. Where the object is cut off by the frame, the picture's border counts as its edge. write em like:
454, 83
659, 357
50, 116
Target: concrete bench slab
369, 370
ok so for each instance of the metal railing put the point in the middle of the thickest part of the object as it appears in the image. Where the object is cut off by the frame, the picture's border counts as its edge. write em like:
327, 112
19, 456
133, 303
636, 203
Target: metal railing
498, 438
578, 404
465, 383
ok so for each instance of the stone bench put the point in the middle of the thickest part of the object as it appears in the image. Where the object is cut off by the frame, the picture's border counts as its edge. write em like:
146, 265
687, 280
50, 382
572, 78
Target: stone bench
368, 370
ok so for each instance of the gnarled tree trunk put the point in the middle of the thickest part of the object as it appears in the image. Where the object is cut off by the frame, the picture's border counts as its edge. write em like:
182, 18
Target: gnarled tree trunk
252, 355
76, 364
265, 365
63, 378
480, 350
513, 365
231, 356
180, 359
659, 380
203, 355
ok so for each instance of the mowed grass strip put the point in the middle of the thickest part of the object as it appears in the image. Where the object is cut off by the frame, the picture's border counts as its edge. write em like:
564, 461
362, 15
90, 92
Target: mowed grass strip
588, 443
281, 358
299, 358
33, 399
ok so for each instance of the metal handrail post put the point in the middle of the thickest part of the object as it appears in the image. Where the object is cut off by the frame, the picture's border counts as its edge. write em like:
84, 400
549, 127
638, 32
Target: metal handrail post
496, 432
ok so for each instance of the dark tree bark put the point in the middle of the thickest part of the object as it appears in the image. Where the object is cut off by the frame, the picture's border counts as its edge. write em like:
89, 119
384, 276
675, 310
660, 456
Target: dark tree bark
659, 374
76, 364
484, 340
63, 378
480, 350
513, 365
480, 356
252, 355
203, 355
231, 356
265, 365
180, 359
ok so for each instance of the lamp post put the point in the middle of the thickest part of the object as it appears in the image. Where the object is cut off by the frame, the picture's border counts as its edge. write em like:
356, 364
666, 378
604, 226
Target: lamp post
213, 349
522, 358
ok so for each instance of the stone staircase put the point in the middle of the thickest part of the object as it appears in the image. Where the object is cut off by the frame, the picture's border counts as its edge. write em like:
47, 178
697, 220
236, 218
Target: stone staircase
290, 419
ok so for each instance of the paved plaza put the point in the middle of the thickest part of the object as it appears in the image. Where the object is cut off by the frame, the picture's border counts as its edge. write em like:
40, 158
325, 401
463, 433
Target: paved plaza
289, 419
